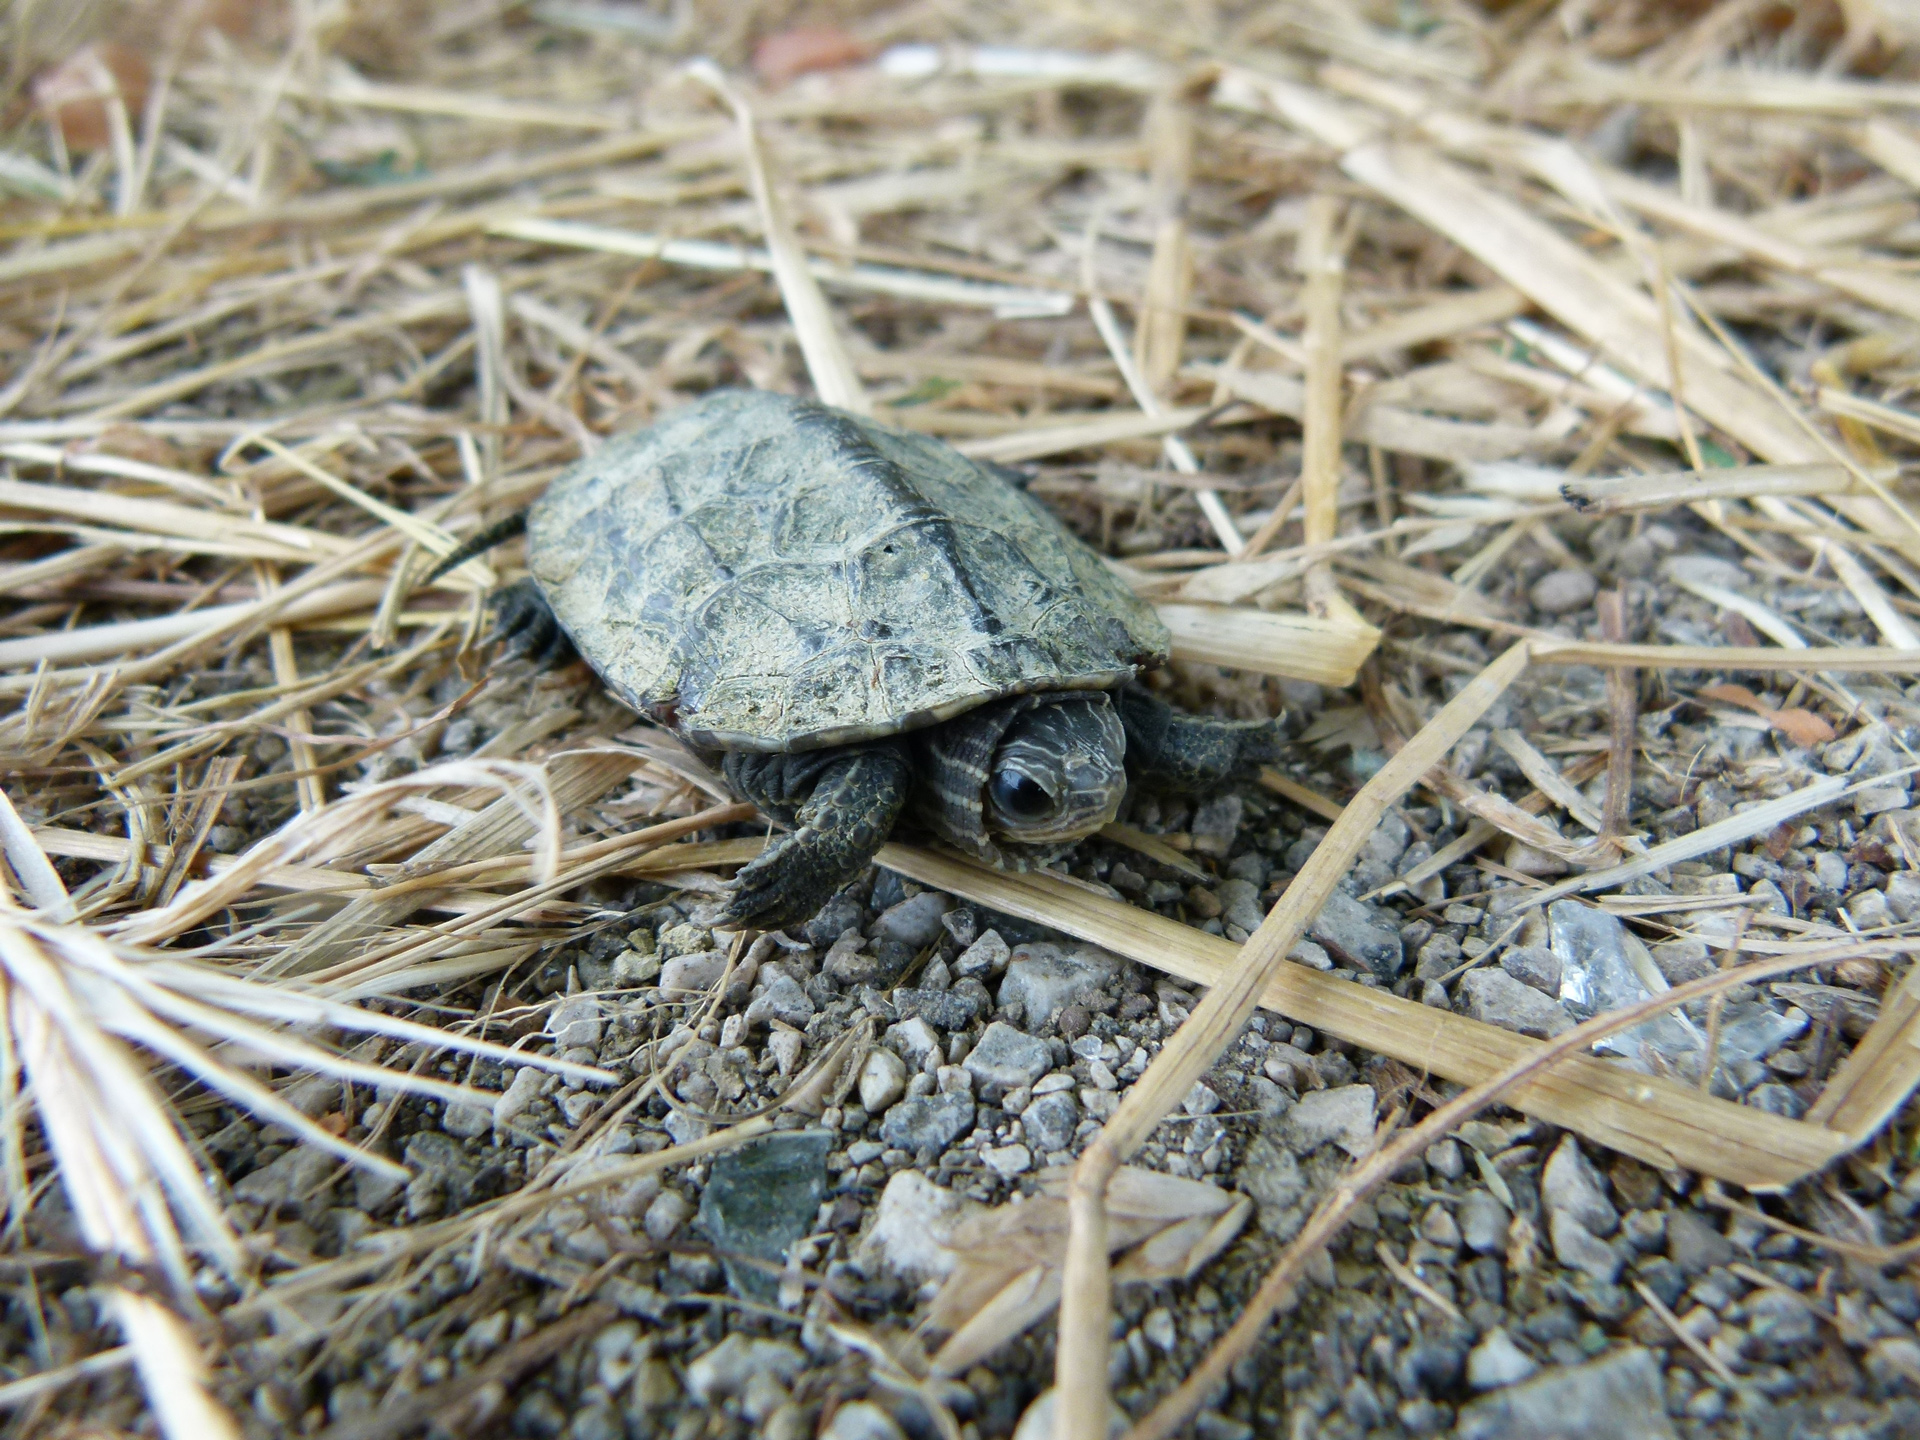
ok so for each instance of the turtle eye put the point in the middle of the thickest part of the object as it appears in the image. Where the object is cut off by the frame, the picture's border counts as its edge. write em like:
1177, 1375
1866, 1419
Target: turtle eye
1020, 796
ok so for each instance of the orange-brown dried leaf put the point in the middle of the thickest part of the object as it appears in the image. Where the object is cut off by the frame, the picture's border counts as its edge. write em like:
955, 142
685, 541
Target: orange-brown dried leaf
74, 93
1803, 727
1735, 695
780, 57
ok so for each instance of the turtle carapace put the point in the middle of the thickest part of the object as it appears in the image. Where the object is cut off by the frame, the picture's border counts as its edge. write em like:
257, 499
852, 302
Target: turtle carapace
869, 629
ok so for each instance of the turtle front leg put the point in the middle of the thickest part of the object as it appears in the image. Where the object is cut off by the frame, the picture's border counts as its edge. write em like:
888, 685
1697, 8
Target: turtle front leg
852, 797
524, 624
1171, 750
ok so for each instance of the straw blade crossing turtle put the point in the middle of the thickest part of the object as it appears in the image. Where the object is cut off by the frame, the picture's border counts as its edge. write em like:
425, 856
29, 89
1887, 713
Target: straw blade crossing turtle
869, 629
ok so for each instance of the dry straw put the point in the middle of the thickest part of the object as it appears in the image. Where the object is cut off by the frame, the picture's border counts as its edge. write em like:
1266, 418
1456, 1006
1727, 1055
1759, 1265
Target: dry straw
1313, 314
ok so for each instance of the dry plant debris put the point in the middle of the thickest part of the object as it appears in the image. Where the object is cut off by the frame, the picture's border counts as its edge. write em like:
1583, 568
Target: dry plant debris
1519, 395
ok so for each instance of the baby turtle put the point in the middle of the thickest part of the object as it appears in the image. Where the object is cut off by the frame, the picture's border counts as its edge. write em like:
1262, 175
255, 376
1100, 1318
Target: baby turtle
868, 628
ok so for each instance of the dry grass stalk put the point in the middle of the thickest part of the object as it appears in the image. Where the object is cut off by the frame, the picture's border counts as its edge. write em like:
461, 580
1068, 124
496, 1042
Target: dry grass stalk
862, 278
1759, 820
1546, 267
1659, 1121
1547, 778
391, 355
73, 1003
1331, 1216
1107, 428
1161, 333
121, 1163
807, 1095
1311, 801
1554, 650
1389, 427
1623, 704
1179, 456
1881, 1073
1081, 1372
502, 828
1328, 651
827, 360
1627, 494
1322, 426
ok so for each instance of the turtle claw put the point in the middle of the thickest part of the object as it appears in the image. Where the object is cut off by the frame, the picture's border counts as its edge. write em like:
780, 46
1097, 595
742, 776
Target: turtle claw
854, 799
761, 898
525, 627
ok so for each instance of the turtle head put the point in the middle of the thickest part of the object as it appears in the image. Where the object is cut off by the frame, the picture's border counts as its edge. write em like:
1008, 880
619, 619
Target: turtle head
1058, 773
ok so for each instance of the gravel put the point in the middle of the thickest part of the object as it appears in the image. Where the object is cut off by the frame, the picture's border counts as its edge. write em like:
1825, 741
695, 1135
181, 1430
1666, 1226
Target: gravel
1560, 591
984, 957
1570, 1185
1619, 1397
1049, 1121
914, 922
1483, 1222
1044, 979
996, 1046
1497, 998
927, 1123
862, 1420
1343, 1116
883, 1080
1359, 935
1005, 1059
732, 1364
911, 1222
1496, 1362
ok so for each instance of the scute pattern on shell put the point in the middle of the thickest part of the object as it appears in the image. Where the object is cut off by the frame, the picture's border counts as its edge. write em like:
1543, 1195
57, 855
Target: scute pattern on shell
765, 573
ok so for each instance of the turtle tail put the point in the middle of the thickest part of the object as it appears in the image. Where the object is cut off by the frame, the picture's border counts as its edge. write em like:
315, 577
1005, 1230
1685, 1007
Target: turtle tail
478, 544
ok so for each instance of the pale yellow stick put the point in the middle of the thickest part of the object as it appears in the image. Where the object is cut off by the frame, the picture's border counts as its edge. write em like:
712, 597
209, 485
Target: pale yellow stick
309, 787
1081, 1369
827, 360
1161, 331
1320, 448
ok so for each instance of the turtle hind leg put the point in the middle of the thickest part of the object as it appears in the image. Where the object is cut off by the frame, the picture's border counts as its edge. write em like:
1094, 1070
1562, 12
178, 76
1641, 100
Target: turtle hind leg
1168, 749
856, 795
524, 624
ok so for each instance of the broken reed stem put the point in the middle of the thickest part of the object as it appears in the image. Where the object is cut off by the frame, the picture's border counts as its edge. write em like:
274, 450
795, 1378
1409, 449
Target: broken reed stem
172, 1369
1179, 455
1323, 424
1455, 199
1331, 1216
834, 377
1867, 659
309, 788
1081, 1367
1320, 445
1623, 709
1160, 333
